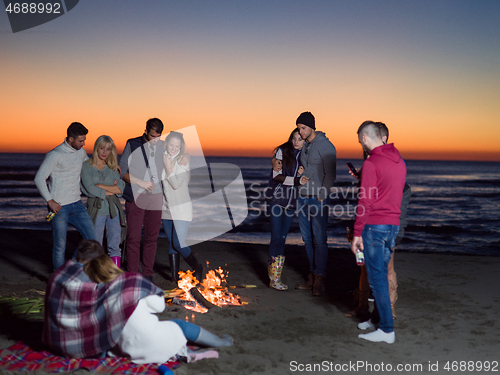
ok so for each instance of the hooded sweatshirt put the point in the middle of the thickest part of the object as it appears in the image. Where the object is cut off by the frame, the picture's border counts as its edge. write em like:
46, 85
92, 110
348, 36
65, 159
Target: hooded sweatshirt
382, 181
319, 159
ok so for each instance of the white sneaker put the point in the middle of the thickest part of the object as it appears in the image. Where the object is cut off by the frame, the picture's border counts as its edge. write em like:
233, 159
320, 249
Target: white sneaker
367, 325
378, 336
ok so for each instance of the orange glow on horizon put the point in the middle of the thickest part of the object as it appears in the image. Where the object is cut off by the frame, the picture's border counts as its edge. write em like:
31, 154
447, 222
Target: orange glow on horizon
242, 121
247, 140
241, 128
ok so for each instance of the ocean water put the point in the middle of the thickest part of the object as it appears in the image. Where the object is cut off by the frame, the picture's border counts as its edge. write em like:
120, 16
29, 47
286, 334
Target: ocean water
455, 206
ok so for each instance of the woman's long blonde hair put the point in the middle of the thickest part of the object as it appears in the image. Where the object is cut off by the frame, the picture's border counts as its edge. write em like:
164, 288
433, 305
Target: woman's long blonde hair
102, 269
112, 159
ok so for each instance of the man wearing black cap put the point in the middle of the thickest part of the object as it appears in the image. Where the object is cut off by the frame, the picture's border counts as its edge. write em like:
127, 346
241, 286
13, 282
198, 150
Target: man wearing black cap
319, 159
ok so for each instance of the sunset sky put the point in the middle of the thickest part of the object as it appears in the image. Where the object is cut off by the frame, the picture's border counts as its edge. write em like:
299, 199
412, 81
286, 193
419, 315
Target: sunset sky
242, 71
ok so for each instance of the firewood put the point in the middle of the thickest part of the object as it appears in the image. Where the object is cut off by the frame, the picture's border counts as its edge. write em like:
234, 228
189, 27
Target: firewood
195, 293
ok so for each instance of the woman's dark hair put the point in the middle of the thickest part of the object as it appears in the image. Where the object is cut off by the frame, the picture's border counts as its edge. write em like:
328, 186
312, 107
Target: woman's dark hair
288, 150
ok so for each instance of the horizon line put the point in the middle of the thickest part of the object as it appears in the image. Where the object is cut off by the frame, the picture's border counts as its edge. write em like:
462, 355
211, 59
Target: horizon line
430, 156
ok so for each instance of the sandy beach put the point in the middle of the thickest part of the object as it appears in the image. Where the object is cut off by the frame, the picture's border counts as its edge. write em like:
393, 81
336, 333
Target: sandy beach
447, 310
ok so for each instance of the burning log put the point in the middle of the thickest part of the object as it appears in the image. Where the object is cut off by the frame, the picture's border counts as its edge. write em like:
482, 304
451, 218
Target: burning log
195, 293
201, 297
183, 302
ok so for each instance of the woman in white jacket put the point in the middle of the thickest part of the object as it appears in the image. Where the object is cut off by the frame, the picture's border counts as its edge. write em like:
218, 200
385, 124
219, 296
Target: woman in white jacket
177, 211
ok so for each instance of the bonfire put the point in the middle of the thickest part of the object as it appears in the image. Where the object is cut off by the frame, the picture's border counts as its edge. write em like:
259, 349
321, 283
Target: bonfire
200, 297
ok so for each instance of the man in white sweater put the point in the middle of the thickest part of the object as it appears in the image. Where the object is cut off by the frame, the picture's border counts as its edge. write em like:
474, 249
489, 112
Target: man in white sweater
62, 167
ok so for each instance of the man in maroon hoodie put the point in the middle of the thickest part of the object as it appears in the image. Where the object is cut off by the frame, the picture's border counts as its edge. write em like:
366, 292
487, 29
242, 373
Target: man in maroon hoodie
377, 222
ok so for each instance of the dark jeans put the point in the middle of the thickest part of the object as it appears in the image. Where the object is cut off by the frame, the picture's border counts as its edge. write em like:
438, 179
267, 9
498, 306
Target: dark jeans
176, 232
313, 220
280, 220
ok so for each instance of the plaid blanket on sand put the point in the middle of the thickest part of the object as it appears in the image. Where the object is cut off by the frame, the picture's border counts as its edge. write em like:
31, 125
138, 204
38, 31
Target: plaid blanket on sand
84, 319
20, 357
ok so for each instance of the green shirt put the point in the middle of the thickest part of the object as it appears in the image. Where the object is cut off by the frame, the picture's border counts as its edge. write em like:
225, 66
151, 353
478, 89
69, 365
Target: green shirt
92, 176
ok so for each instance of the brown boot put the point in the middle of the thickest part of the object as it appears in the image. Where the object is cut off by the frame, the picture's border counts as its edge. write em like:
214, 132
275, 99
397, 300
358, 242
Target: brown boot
318, 287
308, 284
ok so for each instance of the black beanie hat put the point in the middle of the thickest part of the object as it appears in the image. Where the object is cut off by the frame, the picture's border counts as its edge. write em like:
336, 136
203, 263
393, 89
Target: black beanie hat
307, 119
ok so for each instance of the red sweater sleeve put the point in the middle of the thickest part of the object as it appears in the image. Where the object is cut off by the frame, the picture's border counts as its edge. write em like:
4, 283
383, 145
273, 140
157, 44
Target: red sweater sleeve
380, 193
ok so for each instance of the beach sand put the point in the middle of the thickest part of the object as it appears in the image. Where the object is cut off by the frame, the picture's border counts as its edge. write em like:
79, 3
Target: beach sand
447, 309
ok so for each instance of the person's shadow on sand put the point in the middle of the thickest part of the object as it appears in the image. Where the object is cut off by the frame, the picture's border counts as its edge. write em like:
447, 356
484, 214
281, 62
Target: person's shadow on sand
18, 327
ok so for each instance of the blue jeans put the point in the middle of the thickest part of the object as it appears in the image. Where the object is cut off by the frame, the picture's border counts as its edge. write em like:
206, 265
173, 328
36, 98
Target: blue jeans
378, 242
280, 220
313, 221
176, 232
75, 214
191, 331
113, 233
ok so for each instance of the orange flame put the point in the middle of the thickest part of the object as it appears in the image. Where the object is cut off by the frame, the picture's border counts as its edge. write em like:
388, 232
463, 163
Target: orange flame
211, 289
186, 282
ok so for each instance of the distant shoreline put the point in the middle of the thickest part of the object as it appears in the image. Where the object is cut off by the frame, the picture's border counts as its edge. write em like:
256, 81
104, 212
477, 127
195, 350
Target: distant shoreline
453, 157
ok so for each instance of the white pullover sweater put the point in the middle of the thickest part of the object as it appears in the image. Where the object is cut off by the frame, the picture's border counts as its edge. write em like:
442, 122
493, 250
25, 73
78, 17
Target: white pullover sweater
61, 167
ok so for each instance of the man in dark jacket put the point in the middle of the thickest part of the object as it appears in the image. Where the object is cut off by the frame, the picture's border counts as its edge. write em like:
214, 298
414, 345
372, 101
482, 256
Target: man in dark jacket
142, 163
319, 159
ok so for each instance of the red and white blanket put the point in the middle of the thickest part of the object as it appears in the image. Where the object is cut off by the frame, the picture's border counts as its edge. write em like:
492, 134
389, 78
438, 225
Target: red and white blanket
20, 357
84, 319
